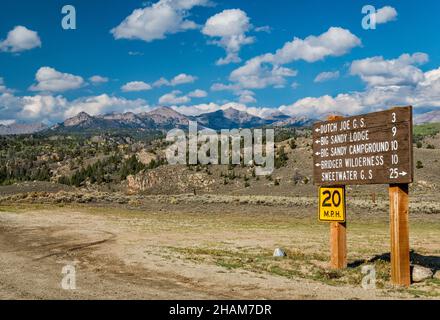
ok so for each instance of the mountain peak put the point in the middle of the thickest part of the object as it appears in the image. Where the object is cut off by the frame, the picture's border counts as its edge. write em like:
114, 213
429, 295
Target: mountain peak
167, 115
276, 115
231, 110
229, 118
165, 111
239, 115
83, 114
78, 119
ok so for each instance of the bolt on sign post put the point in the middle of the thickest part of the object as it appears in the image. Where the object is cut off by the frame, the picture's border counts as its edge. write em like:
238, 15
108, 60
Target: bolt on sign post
375, 148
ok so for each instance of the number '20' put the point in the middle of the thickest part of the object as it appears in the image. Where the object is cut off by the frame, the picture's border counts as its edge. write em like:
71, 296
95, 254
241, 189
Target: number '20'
330, 198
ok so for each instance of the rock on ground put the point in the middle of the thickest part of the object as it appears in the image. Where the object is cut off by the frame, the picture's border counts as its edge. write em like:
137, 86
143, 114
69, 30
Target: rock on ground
420, 273
279, 253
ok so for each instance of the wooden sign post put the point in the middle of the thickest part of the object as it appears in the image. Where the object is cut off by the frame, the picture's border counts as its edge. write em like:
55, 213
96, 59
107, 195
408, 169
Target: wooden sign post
338, 234
375, 148
338, 245
399, 210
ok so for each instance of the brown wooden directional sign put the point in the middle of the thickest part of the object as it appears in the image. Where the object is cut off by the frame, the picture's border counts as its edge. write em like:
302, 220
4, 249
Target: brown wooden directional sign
375, 148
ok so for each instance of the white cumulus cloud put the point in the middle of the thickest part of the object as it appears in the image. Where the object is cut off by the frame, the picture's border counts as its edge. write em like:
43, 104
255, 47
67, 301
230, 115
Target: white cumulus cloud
198, 94
378, 95
135, 86
259, 72
334, 42
181, 78
195, 110
20, 39
229, 27
198, 109
246, 96
51, 80
385, 14
224, 87
266, 70
44, 107
98, 79
54, 109
377, 71
316, 106
423, 94
161, 82
102, 104
174, 98
158, 20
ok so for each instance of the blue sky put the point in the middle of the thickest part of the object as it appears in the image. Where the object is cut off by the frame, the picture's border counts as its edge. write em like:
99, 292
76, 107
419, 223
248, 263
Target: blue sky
240, 54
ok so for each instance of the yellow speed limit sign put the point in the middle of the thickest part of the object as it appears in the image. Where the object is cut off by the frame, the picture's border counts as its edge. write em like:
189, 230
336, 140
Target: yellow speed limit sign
332, 204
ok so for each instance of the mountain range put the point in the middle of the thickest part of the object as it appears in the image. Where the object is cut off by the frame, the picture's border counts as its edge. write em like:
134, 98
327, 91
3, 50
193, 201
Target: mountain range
428, 117
165, 118
21, 128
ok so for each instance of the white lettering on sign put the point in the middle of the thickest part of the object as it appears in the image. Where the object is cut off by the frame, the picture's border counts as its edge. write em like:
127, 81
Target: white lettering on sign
364, 162
328, 128
373, 147
337, 139
339, 176
338, 151
359, 136
331, 164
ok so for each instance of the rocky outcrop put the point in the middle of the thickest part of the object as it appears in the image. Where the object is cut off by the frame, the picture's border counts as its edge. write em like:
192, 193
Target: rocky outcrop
146, 157
164, 180
81, 118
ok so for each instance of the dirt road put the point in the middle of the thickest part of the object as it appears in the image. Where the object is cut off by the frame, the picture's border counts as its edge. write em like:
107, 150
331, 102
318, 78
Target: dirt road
120, 254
